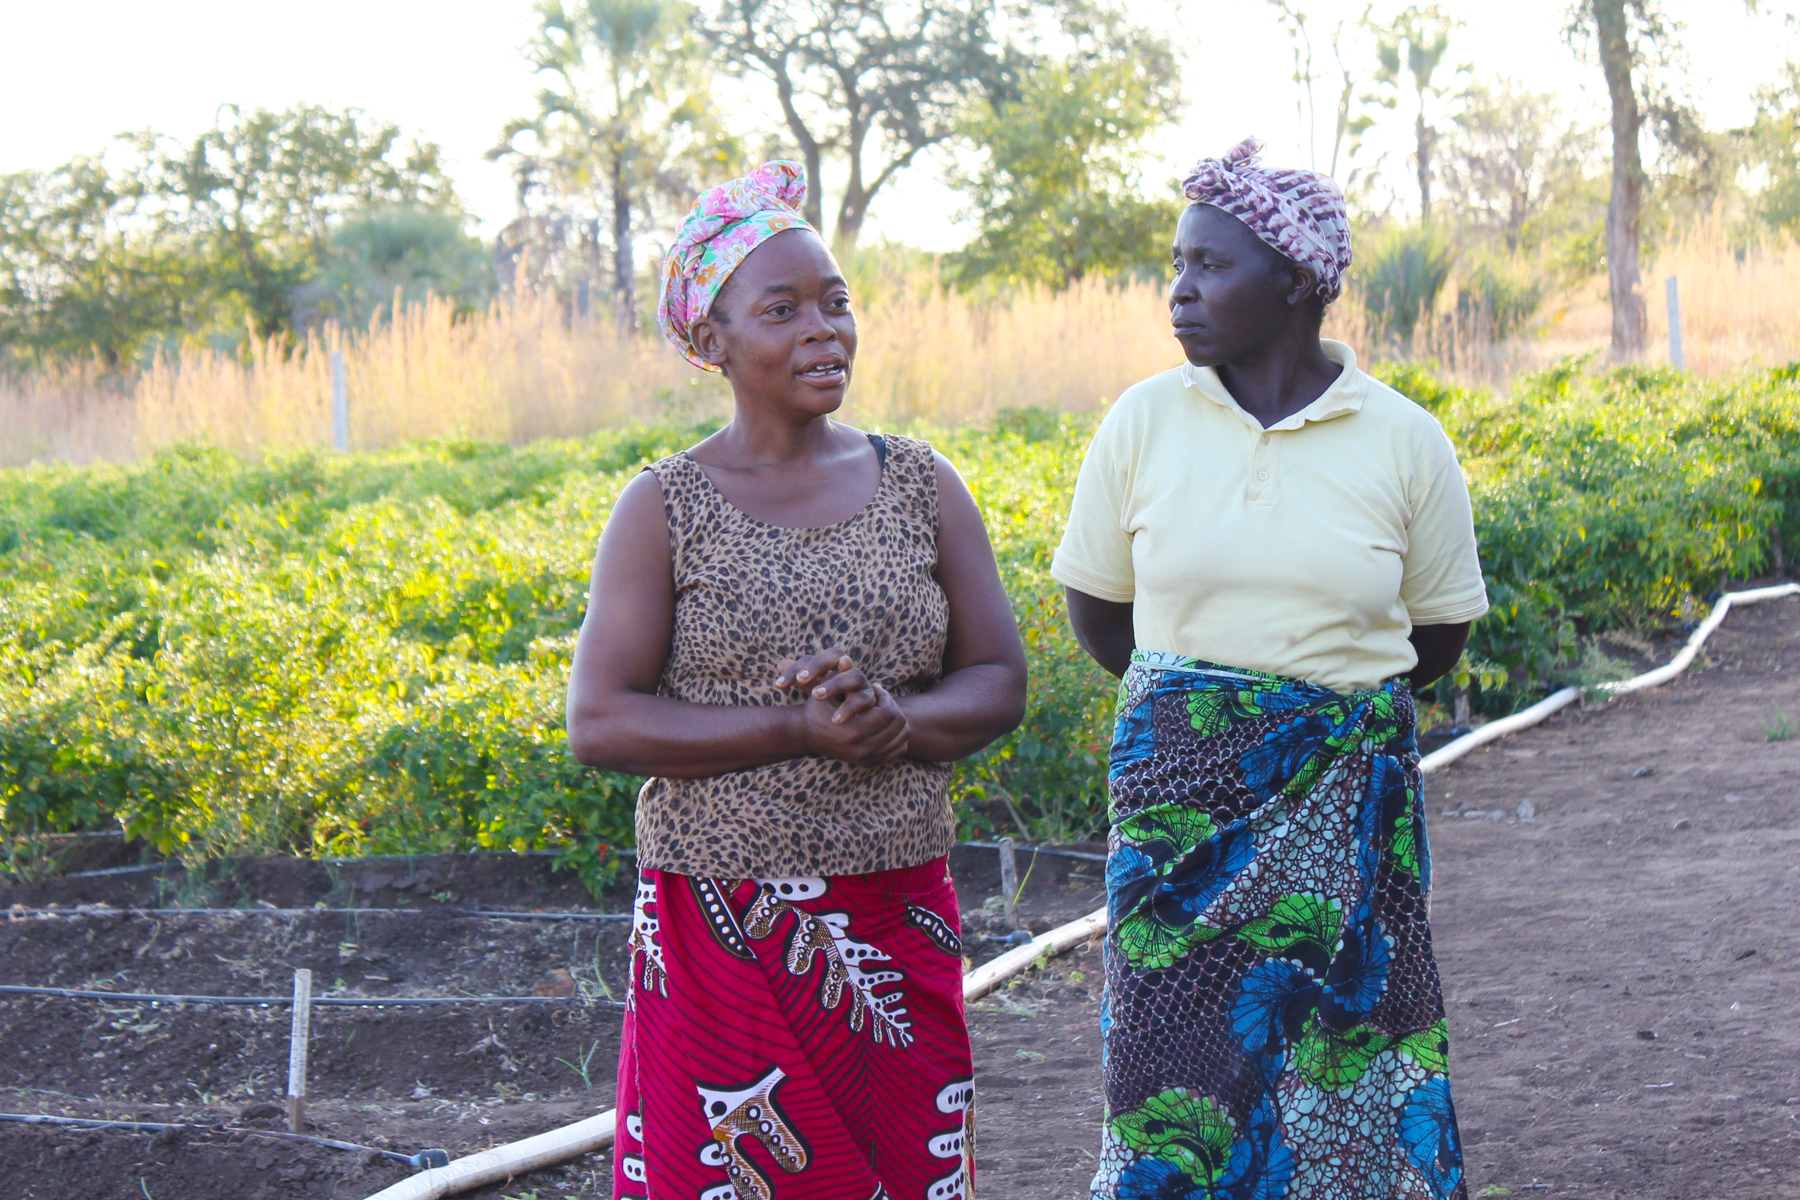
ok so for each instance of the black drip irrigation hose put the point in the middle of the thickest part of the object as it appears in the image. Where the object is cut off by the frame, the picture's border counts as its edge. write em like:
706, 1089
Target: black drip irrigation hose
100, 911
317, 1001
137, 870
340, 862
421, 1160
1022, 848
549, 916
486, 914
1088, 855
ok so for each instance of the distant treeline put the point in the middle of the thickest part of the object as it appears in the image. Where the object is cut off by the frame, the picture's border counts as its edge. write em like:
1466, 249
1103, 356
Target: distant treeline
272, 223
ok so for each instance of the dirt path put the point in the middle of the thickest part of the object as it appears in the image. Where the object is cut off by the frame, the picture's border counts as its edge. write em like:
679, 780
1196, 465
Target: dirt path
1615, 968
1621, 970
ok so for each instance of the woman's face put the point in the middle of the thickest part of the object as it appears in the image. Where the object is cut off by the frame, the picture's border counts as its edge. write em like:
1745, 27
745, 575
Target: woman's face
782, 327
1232, 292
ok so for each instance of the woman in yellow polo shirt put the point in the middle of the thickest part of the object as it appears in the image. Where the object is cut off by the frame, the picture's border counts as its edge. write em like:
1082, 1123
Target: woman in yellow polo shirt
1272, 550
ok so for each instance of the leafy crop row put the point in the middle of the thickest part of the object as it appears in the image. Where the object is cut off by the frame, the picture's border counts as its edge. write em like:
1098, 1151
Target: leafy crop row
367, 654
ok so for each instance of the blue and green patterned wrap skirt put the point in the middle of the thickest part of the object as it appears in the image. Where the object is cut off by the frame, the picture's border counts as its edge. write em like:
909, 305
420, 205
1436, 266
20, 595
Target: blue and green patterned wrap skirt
1273, 1022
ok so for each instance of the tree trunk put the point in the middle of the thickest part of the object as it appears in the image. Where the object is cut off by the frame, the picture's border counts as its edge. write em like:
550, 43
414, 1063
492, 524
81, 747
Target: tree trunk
624, 272
1630, 320
1343, 122
857, 193
856, 196
268, 305
814, 207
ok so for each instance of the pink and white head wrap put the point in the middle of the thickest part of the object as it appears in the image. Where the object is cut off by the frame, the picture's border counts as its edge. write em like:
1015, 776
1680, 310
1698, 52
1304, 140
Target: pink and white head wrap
726, 223
1299, 213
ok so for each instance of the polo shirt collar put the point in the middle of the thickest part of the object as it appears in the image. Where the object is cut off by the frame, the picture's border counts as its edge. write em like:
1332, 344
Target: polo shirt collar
1340, 399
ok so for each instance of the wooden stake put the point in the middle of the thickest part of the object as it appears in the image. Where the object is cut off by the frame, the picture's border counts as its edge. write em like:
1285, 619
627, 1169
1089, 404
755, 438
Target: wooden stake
297, 1040
340, 404
1009, 880
1672, 296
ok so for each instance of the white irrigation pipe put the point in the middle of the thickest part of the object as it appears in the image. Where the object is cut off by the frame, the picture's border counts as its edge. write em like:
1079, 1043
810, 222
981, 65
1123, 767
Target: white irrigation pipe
504, 1162
596, 1133
1445, 755
984, 979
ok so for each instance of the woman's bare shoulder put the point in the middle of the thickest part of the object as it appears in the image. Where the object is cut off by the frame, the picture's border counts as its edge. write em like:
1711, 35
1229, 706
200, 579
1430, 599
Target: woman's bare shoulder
640, 508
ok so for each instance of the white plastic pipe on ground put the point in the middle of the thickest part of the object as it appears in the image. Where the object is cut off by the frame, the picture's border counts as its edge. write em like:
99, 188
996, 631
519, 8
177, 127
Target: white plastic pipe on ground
501, 1163
596, 1133
1445, 755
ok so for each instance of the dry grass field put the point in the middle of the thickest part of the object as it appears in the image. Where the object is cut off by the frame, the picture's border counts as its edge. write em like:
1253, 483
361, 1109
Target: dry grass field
525, 370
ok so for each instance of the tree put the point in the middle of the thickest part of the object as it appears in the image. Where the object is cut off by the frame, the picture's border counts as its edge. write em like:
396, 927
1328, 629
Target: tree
1347, 133
1512, 155
1634, 40
380, 259
1773, 143
255, 197
198, 238
78, 274
877, 81
627, 116
1415, 42
1611, 24
1348, 126
1059, 197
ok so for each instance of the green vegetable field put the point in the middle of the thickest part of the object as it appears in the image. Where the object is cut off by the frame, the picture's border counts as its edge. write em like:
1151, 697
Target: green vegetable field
366, 654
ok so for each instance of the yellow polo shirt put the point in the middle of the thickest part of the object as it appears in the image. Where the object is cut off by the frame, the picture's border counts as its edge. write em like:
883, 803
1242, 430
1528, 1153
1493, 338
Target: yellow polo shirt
1309, 549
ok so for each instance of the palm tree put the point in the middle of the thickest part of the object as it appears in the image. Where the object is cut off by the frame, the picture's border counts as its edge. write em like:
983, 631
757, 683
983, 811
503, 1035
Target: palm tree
1422, 35
626, 114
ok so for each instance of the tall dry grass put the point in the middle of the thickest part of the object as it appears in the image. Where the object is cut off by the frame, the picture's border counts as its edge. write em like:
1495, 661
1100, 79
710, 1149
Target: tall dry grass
519, 373
1736, 307
1740, 306
525, 371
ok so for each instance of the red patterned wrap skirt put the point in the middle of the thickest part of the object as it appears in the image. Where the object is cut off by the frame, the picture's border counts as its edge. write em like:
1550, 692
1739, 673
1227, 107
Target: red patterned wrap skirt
796, 1039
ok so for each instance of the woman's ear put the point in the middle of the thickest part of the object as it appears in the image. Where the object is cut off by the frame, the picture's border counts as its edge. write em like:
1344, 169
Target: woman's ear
709, 341
1303, 282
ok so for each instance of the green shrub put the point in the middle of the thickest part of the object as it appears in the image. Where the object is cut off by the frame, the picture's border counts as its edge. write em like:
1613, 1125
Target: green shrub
1497, 299
357, 654
1400, 273
1049, 776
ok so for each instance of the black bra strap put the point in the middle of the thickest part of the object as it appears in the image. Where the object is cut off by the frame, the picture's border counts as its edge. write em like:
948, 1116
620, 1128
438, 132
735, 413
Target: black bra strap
880, 444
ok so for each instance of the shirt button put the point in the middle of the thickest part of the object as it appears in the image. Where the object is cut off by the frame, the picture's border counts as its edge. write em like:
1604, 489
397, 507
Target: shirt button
1265, 439
1262, 474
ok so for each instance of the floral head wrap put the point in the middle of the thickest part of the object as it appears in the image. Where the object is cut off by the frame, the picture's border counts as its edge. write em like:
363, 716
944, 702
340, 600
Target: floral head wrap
726, 223
1299, 213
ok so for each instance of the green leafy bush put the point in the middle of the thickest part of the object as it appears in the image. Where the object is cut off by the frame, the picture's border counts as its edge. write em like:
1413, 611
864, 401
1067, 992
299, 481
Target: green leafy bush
309, 653
1399, 274
364, 654
1497, 299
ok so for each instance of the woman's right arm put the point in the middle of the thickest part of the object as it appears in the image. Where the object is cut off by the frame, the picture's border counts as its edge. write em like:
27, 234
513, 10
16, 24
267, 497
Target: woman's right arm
1104, 629
618, 722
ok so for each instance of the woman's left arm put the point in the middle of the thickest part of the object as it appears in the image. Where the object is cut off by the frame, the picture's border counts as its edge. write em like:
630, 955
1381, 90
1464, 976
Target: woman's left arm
981, 695
1438, 648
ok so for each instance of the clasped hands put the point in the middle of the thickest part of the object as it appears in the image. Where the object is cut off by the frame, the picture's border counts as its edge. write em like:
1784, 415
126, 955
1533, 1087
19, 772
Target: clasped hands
847, 715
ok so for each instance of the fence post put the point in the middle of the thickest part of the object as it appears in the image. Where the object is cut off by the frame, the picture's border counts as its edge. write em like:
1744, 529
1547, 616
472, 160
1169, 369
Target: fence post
298, 1037
1672, 292
340, 404
1009, 880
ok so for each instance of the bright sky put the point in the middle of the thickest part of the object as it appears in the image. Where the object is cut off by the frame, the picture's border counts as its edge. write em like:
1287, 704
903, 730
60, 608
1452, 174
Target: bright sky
76, 74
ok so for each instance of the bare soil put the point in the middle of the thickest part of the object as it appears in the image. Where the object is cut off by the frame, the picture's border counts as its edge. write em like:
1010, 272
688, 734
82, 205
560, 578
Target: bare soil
1619, 969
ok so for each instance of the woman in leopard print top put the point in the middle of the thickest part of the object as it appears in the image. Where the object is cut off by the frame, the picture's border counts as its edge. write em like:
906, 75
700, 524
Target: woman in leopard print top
794, 628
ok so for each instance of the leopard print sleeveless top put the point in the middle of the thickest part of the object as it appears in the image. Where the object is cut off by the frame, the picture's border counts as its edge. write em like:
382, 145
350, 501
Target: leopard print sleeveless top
748, 595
